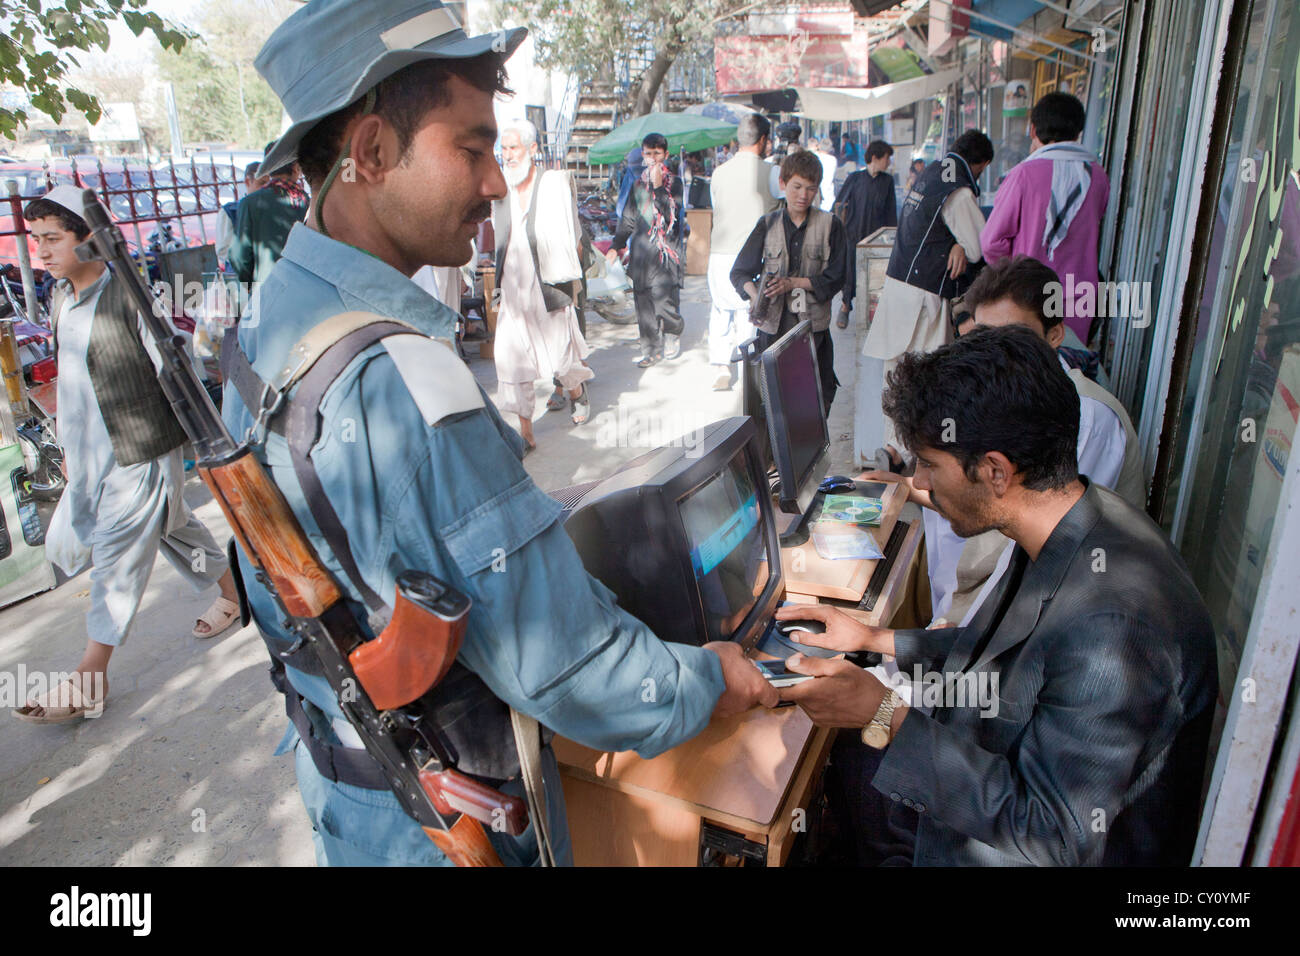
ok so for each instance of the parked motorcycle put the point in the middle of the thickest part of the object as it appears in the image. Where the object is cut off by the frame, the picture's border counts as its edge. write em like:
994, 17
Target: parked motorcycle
44, 477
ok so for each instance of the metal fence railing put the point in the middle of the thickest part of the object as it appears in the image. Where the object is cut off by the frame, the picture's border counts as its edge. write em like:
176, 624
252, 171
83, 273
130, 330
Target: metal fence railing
161, 207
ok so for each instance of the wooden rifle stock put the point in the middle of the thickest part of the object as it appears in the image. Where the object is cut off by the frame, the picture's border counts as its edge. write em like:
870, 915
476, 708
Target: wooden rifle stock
269, 534
424, 634
465, 843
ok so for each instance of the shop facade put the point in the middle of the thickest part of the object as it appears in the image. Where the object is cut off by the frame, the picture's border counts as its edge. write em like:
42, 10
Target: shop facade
1192, 106
1205, 221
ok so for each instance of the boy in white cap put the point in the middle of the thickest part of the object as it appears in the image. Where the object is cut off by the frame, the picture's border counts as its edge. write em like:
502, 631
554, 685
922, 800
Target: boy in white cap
122, 453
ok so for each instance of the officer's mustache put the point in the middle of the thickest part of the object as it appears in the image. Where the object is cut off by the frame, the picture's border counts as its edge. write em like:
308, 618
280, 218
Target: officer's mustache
479, 212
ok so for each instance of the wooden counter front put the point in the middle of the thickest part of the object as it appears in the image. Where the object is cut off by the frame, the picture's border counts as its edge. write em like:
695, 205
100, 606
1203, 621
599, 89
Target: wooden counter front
742, 773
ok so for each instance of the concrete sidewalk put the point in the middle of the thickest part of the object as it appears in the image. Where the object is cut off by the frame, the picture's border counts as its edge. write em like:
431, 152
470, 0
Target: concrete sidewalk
179, 769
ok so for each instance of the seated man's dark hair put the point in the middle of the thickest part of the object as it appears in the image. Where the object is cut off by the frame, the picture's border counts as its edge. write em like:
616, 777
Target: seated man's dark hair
1058, 118
877, 148
1022, 279
803, 164
974, 147
789, 132
992, 390
403, 100
655, 141
68, 220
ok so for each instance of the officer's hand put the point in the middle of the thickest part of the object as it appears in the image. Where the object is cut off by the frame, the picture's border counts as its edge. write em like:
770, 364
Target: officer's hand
611, 256
840, 695
842, 632
746, 685
956, 260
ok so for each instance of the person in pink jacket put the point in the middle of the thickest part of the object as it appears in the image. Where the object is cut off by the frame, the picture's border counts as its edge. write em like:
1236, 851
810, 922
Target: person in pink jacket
1051, 205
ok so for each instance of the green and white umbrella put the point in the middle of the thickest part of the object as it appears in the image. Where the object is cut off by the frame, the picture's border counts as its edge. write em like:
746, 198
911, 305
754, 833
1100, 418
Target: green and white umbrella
682, 130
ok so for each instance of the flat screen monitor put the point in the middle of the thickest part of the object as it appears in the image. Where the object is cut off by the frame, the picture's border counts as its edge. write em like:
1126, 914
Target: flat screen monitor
796, 420
686, 538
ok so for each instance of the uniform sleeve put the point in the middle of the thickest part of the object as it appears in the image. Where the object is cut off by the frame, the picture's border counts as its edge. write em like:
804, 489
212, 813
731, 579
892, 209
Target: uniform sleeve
545, 636
1105, 700
961, 214
1004, 220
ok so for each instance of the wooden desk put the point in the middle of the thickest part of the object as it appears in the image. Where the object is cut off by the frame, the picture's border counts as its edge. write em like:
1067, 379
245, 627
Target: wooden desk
807, 572
744, 779
742, 788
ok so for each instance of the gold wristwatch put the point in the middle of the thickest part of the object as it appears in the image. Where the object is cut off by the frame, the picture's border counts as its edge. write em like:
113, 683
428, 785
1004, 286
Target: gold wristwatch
877, 733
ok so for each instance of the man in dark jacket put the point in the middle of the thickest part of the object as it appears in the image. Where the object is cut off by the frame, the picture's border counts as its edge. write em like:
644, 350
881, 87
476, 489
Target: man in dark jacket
866, 203
263, 221
1068, 722
651, 230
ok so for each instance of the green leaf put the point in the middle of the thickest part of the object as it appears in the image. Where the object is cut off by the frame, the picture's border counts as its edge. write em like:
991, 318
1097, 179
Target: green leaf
135, 21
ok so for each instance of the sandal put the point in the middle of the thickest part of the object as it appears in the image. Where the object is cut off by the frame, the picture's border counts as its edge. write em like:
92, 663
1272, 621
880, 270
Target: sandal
73, 703
218, 617
581, 407
557, 400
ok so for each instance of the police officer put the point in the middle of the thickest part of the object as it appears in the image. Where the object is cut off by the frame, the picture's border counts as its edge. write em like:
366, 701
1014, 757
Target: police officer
393, 128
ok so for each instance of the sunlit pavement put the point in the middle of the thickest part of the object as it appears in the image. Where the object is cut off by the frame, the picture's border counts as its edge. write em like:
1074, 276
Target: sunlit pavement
179, 768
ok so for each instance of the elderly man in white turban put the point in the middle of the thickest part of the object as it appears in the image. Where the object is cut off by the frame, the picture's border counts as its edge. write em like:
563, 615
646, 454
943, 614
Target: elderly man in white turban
538, 257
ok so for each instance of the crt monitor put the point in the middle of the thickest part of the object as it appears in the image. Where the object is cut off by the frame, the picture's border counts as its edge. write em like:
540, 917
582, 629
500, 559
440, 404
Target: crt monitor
796, 421
686, 538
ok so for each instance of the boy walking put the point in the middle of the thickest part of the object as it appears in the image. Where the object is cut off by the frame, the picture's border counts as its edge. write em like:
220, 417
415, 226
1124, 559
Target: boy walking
122, 445
651, 230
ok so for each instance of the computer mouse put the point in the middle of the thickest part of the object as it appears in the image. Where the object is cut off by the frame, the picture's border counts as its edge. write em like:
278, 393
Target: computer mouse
807, 627
835, 484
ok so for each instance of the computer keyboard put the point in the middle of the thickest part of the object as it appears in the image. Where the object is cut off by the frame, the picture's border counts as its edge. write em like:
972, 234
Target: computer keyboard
884, 567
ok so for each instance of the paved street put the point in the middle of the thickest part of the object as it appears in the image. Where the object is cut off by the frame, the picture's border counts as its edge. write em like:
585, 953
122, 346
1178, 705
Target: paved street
179, 768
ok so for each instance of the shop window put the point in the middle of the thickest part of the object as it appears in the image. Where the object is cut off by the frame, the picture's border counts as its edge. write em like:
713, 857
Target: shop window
1246, 361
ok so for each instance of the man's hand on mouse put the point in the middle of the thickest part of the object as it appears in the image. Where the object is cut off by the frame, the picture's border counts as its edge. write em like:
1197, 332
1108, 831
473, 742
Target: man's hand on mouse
843, 695
842, 632
746, 685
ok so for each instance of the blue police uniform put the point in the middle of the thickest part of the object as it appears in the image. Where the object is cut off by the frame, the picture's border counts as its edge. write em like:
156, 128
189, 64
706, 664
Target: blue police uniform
451, 498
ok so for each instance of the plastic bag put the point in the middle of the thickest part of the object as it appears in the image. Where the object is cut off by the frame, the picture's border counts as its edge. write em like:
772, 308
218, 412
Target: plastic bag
614, 280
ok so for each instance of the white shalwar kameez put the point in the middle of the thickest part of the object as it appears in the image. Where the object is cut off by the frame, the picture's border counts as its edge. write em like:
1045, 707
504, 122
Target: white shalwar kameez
910, 319
114, 518
532, 343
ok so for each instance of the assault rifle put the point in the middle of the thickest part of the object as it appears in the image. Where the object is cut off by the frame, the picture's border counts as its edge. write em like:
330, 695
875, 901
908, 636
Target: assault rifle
379, 682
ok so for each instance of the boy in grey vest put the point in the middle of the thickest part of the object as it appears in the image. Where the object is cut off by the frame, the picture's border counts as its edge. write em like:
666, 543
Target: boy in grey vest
122, 452
800, 251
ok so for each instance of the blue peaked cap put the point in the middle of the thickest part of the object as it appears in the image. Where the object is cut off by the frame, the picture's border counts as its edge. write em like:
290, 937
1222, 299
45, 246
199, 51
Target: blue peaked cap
330, 53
